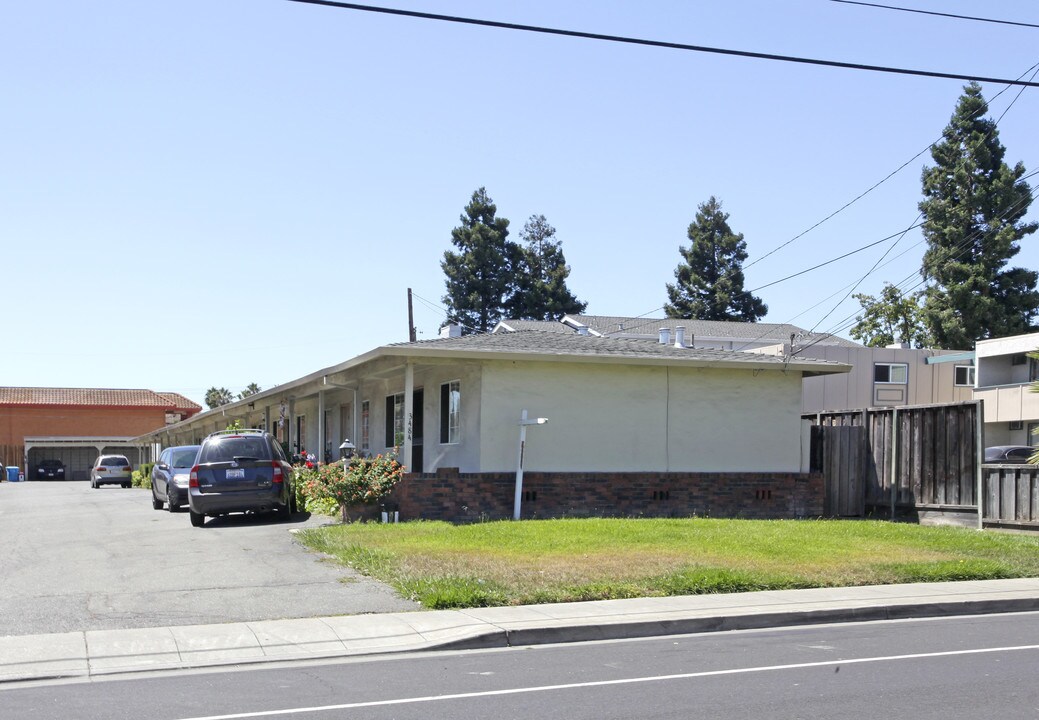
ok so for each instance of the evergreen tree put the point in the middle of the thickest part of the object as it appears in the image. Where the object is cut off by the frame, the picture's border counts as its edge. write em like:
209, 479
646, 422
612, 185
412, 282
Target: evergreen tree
540, 291
894, 318
215, 397
709, 281
478, 275
973, 208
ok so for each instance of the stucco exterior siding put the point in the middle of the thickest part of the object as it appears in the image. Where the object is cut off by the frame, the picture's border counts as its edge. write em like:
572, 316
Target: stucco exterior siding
466, 452
600, 417
641, 419
726, 420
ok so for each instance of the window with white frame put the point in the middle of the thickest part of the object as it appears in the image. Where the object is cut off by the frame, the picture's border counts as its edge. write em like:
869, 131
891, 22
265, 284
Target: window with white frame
891, 373
395, 420
450, 412
964, 375
1032, 439
366, 426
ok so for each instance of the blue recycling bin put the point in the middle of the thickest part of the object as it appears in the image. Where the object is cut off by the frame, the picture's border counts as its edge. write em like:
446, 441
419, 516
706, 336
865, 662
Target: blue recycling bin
12, 474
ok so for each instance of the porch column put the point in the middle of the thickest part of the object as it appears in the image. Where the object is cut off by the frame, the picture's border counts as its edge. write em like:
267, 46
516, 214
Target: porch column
409, 412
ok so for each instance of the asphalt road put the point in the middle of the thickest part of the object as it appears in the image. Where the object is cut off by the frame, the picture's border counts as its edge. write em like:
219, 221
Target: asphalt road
73, 558
947, 669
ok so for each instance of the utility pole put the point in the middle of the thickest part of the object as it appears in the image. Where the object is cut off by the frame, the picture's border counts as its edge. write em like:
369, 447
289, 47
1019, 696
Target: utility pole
412, 336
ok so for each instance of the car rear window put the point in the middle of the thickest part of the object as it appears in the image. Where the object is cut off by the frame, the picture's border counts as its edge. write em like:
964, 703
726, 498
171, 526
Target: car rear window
115, 462
184, 458
228, 448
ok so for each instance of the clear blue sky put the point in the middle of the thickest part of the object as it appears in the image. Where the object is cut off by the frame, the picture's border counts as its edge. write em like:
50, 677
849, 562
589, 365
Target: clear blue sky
164, 163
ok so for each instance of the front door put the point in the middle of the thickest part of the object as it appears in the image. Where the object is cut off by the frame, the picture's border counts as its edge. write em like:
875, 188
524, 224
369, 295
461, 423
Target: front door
416, 431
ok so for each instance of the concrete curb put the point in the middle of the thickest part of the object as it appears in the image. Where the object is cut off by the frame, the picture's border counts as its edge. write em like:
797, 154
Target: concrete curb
114, 652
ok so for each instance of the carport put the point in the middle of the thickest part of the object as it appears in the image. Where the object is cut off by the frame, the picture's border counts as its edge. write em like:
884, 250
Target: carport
77, 454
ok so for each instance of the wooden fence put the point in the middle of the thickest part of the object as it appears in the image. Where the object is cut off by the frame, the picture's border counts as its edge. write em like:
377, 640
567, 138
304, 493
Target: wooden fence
1010, 495
922, 458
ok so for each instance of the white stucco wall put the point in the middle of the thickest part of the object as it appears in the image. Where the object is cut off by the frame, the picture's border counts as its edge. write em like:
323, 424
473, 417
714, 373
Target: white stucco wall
464, 454
630, 418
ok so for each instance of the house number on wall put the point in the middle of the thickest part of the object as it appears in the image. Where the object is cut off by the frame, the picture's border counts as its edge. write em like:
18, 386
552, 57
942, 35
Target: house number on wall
410, 420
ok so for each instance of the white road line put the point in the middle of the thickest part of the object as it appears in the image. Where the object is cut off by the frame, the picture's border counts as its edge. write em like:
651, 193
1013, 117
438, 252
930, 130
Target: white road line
602, 683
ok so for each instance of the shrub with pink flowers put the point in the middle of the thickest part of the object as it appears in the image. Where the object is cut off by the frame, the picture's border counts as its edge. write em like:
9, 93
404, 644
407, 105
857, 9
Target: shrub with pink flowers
365, 481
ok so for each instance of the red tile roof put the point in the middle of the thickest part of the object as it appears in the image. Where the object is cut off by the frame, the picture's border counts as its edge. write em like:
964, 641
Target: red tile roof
94, 396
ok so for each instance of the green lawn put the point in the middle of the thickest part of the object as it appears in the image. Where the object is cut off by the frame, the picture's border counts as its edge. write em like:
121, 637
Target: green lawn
514, 563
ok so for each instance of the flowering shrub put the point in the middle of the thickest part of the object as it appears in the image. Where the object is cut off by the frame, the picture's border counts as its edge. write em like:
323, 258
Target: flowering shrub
309, 494
365, 481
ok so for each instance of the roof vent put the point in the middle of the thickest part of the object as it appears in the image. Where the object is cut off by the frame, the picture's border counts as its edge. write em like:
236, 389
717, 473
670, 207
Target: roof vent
583, 330
680, 336
451, 331
665, 336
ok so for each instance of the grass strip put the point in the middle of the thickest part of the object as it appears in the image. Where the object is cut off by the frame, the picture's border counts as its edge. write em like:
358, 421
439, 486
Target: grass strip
540, 561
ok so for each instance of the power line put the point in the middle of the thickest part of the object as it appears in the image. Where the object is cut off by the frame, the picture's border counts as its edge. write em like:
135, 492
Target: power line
966, 243
939, 14
963, 247
890, 175
830, 262
661, 43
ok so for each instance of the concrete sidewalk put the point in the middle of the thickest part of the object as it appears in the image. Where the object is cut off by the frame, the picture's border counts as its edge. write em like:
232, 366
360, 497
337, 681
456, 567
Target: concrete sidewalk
106, 652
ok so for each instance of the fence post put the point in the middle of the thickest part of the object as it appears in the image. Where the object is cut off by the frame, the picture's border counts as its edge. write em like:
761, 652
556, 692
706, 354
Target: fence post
894, 460
979, 452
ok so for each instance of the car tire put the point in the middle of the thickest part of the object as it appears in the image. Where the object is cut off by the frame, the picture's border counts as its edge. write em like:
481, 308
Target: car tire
93, 484
285, 511
172, 507
197, 519
156, 502
126, 485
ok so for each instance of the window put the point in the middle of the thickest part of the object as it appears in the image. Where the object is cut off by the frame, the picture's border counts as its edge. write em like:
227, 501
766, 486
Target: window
896, 373
328, 445
1033, 428
395, 420
365, 426
301, 433
1019, 359
964, 375
450, 412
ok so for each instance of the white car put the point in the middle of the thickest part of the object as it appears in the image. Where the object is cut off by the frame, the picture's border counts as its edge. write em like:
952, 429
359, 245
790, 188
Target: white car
111, 470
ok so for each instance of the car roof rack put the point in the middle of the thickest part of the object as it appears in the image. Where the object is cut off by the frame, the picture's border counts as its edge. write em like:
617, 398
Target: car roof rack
253, 431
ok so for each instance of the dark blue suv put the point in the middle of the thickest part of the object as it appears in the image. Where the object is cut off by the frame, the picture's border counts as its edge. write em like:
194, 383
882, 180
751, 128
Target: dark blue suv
240, 471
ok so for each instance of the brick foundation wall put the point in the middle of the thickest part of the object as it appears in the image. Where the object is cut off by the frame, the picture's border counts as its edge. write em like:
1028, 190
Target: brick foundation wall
470, 497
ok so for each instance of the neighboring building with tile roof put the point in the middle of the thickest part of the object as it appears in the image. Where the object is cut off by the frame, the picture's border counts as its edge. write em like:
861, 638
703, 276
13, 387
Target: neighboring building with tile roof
75, 425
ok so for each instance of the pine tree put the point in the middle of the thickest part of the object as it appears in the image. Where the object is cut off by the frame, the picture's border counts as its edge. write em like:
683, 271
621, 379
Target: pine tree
709, 281
478, 275
540, 291
973, 208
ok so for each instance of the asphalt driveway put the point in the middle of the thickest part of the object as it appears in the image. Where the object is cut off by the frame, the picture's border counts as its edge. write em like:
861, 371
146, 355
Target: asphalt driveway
73, 558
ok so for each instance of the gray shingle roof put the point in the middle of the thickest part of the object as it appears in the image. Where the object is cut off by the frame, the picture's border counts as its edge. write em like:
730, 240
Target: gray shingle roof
540, 325
548, 345
752, 332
